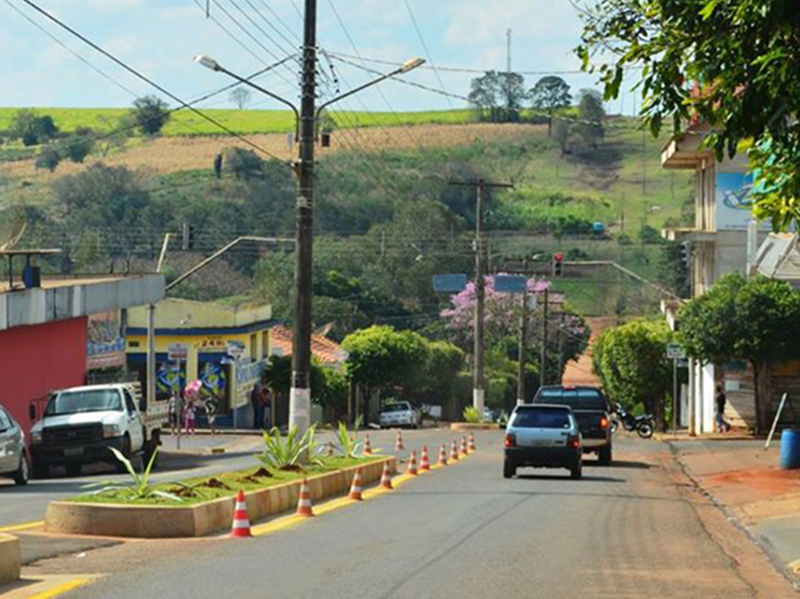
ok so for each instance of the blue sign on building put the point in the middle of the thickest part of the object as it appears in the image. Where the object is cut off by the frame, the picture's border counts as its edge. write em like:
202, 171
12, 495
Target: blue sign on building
510, 283
449, 283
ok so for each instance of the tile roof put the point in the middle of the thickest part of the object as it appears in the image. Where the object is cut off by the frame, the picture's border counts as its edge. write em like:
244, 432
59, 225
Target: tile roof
323, 349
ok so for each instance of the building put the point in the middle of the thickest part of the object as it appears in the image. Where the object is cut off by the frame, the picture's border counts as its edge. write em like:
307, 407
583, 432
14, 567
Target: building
724, 239
225, 346
45, 333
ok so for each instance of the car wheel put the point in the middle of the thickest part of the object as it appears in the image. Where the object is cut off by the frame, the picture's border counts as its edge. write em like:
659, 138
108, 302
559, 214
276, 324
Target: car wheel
509, 469
604, 455
73, 469
577, 470
22, 475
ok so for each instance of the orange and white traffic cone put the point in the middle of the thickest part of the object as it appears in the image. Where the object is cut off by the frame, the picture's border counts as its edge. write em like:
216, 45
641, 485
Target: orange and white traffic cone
424, 461
471, 447
464, 446
304, 501
367, 446
355, 489
454, 452
398, 446
443, 456
412, 463
241, 521
386, 477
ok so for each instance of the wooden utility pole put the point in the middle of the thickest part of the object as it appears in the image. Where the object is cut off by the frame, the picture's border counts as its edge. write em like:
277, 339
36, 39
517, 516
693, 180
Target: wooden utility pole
478, 384
545, 315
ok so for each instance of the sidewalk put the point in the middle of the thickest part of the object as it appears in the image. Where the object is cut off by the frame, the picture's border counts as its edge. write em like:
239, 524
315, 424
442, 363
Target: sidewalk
744, 479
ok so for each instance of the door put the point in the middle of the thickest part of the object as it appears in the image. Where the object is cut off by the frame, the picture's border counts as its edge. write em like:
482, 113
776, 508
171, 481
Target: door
7, 442
135, 424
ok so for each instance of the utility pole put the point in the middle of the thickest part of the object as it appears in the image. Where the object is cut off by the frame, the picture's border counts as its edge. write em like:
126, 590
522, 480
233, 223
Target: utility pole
478, 386
300, 393
543, 367
508, 50
523, 341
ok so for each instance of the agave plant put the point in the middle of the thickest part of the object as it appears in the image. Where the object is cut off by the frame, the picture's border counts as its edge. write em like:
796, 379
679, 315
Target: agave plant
138, 487
472, 415
282, 452
349, 445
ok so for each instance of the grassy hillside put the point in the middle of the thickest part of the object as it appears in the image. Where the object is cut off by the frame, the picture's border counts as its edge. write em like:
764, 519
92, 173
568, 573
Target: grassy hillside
186, 122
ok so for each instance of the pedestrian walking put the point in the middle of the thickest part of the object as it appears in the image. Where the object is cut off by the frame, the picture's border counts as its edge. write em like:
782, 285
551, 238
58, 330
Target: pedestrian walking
212, 408
173, 415
266, 408
722, 425
258, 408
189, 416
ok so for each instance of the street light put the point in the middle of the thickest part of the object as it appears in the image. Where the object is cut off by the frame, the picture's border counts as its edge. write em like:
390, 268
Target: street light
306, 120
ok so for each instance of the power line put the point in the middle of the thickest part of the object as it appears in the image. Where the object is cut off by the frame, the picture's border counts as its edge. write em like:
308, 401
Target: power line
146, 79
428, 54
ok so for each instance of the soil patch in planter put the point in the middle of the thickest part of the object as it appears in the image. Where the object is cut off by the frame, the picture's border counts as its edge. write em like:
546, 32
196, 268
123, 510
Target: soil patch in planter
214, 483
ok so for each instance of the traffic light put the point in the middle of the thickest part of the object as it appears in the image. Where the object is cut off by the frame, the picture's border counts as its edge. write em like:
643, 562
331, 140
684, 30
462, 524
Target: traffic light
188, 237
686, 255
558, 265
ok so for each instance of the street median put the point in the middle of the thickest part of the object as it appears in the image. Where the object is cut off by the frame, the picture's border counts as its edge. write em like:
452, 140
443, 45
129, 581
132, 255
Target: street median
200, 519
9, 559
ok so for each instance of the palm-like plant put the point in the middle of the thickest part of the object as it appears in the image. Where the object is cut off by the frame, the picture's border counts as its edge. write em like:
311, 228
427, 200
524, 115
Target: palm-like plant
138, 487
472, 415
349, 445
282, 452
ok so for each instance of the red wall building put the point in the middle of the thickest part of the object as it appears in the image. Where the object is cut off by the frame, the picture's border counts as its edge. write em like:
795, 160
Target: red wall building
37, 359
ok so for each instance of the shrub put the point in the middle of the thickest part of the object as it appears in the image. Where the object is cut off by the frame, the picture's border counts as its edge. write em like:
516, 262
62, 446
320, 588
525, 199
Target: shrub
48, 158
151, 114
286, 452
138, 487
472, 415
243, 164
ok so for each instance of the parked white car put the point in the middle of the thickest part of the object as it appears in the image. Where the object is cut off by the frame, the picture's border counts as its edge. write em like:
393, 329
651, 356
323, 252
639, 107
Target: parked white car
399, 414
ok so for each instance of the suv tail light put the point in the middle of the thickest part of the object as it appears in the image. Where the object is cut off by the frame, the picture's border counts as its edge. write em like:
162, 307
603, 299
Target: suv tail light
511, 440
574, 442
603, 422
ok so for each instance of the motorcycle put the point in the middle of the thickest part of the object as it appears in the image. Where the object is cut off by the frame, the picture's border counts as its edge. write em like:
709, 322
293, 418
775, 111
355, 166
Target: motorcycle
644, 425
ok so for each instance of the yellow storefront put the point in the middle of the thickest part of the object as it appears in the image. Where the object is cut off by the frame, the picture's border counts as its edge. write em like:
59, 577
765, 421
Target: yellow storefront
226, 347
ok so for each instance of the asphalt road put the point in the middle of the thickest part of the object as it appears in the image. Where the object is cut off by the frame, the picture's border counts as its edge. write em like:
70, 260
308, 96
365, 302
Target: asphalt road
461, 532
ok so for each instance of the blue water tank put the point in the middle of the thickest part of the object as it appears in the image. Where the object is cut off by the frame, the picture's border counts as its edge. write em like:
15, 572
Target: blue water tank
599, 227
790, 449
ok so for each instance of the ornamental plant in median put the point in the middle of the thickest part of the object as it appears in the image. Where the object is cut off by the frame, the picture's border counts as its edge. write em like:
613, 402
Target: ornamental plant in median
472, 415
138, 487
349, 445
283, 453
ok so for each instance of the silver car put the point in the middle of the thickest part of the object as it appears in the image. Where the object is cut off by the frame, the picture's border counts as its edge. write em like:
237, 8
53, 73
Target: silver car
398, 414
13, 455
543, 436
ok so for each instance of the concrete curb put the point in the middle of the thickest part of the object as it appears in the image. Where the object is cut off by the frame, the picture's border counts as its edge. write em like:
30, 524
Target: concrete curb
197, 520
10, 559
468, 426
776, 561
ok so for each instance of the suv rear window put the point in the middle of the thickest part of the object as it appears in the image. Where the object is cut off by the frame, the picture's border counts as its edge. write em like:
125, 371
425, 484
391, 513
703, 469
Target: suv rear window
579, 399
541, 418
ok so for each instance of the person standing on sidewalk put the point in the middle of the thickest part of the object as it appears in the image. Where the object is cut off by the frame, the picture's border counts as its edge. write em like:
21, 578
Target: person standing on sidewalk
258, 408
722, 425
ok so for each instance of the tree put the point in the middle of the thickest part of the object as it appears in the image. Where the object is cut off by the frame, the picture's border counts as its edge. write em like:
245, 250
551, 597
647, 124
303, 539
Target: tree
438, 385
498, 97
727, 64
673, 269
561, 132
243, 164
380, 357
631, 360
151, 114
589, 129
78, 146
240, 97
550, 94
48, 158
756, 320
32, 128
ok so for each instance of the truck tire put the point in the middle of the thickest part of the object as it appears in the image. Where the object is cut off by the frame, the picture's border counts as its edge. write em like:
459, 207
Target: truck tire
509, 469
576, 471
149, 449
22, 475
604, 455
126, 451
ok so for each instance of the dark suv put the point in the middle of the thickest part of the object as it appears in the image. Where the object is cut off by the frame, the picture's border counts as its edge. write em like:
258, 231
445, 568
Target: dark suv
592, 411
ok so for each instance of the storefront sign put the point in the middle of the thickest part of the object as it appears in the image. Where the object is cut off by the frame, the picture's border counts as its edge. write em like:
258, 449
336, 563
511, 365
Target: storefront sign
105, 345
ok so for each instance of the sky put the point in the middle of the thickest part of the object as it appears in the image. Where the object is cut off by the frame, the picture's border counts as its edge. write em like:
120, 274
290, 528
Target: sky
160, 37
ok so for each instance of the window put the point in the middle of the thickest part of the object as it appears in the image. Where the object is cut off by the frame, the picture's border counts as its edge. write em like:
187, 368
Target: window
78, 402
129, 402
264, 344
5, 422
254, 347
579, 399
541, 418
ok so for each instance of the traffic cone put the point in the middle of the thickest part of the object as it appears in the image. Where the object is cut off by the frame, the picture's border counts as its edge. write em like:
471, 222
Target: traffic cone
443, 456
398, 446
386, 477
454, 452
471, 447
355, 489
412, 463
367, 446
424, 461
464, 446
304, 501
241, 521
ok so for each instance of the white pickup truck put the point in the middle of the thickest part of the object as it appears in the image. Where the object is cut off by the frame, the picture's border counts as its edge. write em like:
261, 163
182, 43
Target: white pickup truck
80, 424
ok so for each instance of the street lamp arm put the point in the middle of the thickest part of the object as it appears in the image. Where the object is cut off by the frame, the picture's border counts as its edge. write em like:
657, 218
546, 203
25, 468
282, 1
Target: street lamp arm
407, 66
